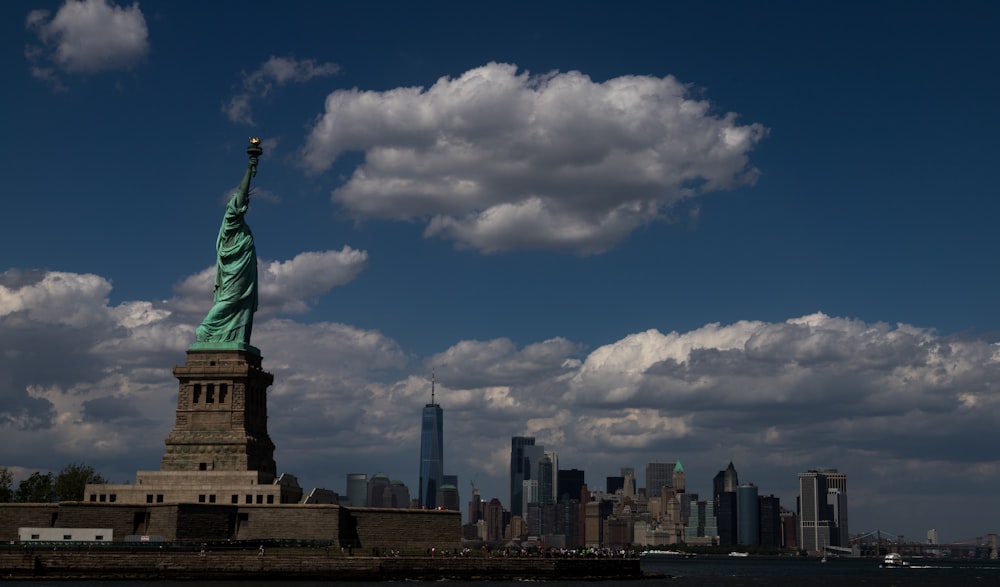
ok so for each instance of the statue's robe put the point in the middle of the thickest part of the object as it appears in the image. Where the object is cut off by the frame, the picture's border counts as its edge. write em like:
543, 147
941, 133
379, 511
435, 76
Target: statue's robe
231, 317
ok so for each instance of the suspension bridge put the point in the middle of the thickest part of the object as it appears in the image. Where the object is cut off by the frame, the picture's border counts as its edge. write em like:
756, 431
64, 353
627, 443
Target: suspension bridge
879, 542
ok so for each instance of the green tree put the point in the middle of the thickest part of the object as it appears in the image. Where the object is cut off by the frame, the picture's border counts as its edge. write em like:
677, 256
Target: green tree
6, 485
35, 489
73, 479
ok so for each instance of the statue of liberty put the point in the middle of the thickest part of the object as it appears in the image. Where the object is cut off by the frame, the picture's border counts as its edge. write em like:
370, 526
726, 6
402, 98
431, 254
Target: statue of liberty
230, 321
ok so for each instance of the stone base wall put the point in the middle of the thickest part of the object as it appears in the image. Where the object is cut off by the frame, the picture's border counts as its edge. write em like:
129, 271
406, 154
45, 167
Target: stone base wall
27, 515
121, 519
364, 529
408, 531
297, 522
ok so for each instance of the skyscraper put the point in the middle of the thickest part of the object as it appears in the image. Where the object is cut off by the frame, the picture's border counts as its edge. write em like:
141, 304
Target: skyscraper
570, 482
447, 497
836, 500
546, 477
628, 483
475, 506
724, 486
658, 475
554, 483
726, 481
431, 452
384, 492
357, 489
493, 515
529, 494
748, 514
677, 478
822, 509
522, 449
770, 521
679, 482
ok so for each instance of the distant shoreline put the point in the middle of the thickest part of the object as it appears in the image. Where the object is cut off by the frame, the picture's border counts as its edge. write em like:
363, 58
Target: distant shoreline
281, 565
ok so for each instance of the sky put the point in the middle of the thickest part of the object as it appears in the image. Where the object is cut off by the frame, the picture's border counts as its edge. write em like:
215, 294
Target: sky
758, 233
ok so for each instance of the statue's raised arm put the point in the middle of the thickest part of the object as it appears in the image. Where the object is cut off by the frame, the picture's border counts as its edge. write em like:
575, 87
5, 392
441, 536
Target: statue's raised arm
243, 191
229, 323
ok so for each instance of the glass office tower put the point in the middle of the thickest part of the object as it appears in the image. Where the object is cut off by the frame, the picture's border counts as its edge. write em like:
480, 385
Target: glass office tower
431, 454
522, 451
357, 489
747, 514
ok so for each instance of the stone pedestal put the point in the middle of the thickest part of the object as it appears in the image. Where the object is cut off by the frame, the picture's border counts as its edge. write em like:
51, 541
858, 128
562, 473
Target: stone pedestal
221, 415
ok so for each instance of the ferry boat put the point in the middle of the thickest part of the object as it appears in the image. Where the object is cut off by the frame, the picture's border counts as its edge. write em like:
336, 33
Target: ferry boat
893, 560
667, 553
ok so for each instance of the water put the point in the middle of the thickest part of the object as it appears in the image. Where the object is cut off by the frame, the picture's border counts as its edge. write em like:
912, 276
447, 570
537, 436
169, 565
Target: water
702, 571
720, 571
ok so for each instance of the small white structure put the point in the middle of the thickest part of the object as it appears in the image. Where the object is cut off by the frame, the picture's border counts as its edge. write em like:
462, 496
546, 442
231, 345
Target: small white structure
65, 534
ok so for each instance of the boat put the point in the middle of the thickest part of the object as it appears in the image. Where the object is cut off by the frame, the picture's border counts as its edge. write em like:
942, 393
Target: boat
893, 560
655, 552
667, 553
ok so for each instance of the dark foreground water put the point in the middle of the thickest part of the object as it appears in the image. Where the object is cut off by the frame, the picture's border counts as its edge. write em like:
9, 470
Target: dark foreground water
703, 571
837, 572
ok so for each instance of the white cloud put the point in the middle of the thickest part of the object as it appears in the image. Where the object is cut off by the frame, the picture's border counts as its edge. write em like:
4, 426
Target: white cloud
48, 324
60, 335
288, 286
86, 36
285, 286
499, 160
629, 429
473, 363
276, 71
82, 380
58, 298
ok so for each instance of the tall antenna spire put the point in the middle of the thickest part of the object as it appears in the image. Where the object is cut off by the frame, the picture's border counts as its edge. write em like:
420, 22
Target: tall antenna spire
432, 386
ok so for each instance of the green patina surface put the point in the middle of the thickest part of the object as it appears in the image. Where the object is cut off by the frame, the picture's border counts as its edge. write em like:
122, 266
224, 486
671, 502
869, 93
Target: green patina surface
229, 323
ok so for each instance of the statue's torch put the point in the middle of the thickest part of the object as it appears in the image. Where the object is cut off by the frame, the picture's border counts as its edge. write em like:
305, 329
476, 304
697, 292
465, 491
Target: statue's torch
254, 151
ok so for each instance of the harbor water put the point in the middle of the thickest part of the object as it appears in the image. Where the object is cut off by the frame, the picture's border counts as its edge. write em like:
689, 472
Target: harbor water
701, 571
721, 571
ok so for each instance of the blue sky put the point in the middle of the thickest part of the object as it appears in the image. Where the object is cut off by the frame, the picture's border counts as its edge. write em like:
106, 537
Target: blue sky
637, 231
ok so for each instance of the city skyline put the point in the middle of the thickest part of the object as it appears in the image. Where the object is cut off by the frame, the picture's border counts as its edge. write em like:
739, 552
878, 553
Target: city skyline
635, 232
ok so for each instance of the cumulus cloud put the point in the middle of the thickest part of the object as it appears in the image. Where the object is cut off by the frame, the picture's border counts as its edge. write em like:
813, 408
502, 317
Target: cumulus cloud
82, 380
328, 393
777, 398
807, 381
48, 324
73, 362
498, 159
286, 287
276, 71
84, 37
474, 363
53, 298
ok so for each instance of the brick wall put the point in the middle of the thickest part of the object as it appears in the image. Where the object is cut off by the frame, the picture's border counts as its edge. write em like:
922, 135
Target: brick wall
120, 519
162, 521
409, 531
25, 515
203, 522
294, 522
